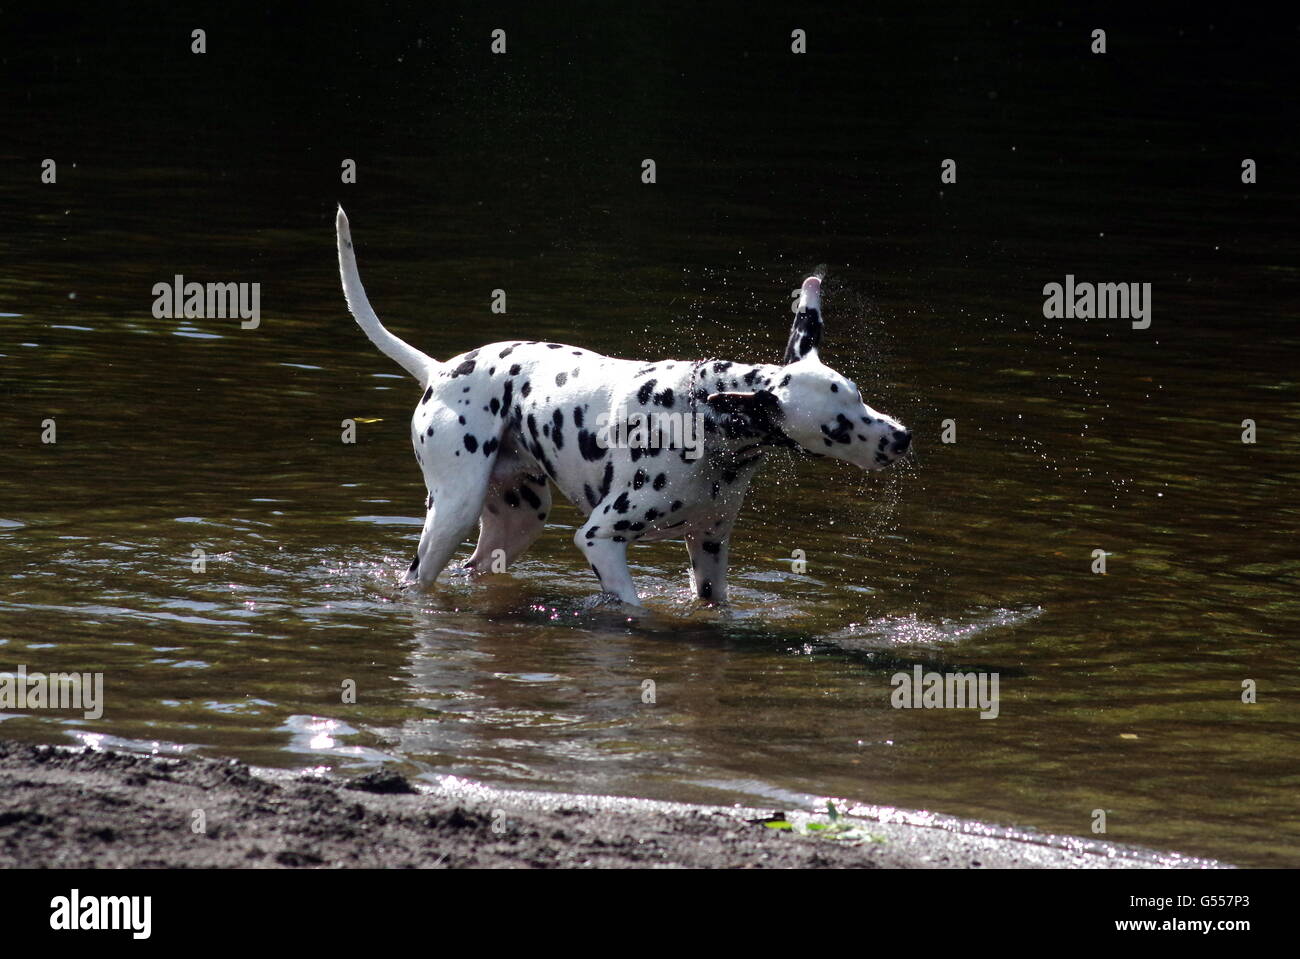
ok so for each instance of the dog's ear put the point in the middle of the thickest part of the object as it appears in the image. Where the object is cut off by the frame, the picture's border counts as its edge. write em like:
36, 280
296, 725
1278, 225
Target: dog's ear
806, 333
746, 413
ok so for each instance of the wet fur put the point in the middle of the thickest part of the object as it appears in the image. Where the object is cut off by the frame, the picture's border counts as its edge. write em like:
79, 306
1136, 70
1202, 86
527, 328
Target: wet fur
496, 428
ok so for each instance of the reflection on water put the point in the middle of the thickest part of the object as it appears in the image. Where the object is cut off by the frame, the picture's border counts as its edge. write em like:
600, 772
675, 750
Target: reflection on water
1119, 691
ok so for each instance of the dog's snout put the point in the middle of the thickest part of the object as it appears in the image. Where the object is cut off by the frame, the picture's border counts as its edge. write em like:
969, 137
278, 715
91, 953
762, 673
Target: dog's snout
902, 440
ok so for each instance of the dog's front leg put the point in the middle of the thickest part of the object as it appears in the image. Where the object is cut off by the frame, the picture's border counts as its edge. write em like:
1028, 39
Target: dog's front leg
608, 561
708, 553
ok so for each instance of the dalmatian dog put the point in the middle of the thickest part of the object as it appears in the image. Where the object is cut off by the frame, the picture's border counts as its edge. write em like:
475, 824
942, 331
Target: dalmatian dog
496, 428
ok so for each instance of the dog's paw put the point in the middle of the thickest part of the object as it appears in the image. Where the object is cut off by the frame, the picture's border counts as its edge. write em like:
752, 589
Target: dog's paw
608, 601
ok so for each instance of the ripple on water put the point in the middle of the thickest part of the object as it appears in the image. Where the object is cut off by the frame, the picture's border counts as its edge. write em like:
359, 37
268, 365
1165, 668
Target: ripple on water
320, 735
890, 632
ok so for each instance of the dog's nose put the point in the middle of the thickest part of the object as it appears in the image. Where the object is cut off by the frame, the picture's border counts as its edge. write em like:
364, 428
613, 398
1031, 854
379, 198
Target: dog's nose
902, 440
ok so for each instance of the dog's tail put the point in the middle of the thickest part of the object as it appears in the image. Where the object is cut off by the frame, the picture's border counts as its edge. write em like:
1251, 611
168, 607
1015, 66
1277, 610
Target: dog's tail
412, 360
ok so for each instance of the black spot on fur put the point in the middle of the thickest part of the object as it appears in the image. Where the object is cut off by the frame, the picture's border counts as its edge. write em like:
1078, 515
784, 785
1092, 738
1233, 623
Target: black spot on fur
427, 393
531, 498
660, 480
805, 335
561, 378
621, 504
589, 447
843, 429
490, 446
607, 480
543, 462
512, 499
577, 416
665, 398
713, 548
463, 370
557, 425
639, 479
526, 389
643, 394
706, 590
471, 443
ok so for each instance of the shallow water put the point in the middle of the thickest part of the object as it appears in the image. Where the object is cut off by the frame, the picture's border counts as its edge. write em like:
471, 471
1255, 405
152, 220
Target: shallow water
1120, 692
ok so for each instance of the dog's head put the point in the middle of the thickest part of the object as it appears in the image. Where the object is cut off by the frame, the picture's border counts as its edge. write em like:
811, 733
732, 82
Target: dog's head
815, 407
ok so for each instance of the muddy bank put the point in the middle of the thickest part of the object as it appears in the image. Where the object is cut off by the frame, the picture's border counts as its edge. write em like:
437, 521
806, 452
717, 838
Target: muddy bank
64, 807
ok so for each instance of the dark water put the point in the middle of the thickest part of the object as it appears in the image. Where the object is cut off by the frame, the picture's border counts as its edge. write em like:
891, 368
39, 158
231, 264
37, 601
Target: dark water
1120, 692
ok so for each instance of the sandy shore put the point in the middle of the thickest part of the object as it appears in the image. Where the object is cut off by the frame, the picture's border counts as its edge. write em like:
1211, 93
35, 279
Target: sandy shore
66, 807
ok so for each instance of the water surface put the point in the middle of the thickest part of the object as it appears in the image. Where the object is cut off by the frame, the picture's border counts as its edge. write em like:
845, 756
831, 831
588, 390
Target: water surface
1120, 692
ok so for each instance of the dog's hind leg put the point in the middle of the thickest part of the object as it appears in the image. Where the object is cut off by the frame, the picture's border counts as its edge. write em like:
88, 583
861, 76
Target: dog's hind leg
708, 552
446, 526
458, 454
514, 515
452, 510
